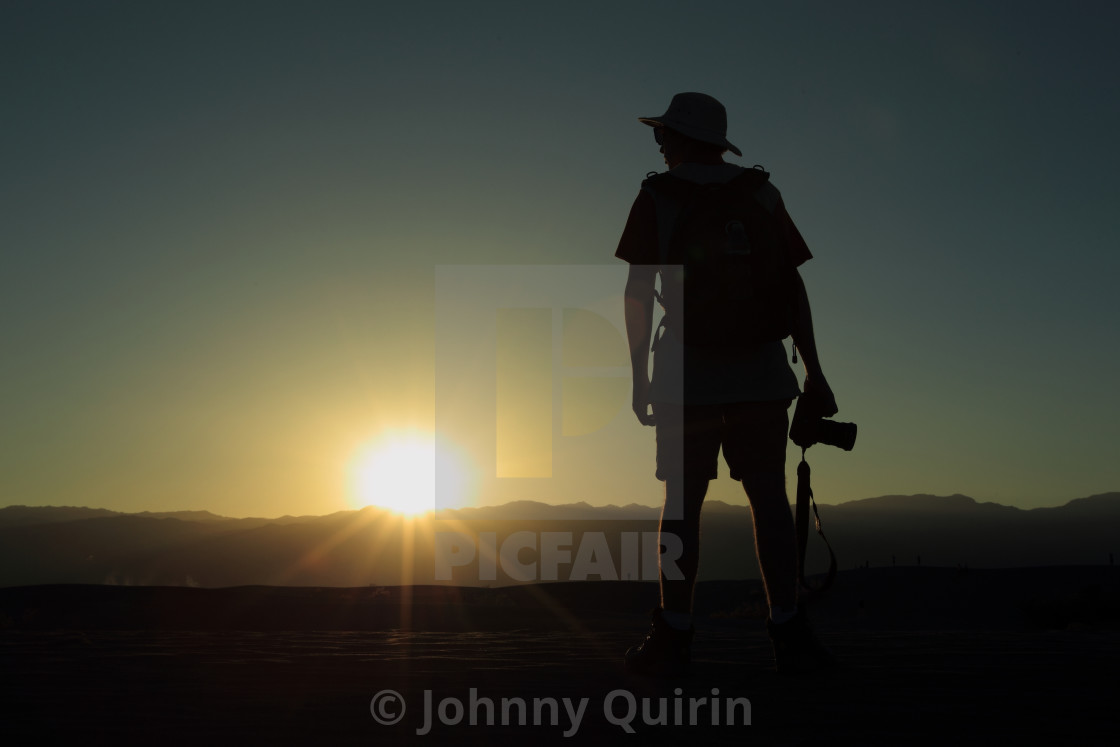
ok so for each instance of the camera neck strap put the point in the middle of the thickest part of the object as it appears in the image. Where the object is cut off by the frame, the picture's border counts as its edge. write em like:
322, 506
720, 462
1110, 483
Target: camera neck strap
805, 499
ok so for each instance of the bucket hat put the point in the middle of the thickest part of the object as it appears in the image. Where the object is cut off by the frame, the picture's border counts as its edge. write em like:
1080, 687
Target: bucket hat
698, 116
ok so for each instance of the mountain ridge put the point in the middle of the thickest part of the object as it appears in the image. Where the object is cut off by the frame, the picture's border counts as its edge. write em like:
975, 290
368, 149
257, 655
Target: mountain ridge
45, 545
23, 515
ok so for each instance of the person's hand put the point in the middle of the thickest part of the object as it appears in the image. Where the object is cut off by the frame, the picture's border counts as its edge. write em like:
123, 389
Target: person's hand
640, 400
820, 394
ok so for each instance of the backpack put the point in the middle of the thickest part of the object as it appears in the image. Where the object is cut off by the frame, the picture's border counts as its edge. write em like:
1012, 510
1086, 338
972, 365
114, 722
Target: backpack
734, 284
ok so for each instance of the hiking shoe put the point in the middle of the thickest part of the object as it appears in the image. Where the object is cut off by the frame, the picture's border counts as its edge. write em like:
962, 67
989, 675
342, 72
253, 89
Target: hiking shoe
796, 649
666, 651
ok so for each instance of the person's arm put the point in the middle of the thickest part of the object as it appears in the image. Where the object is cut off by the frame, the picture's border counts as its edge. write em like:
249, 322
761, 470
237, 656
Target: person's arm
639, 330
816, 386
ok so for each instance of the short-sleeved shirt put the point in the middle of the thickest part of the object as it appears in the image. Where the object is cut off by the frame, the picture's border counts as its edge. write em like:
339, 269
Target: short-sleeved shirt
693, 375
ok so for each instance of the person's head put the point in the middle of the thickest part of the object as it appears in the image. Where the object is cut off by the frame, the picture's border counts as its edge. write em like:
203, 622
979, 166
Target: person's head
678, 148
693, 128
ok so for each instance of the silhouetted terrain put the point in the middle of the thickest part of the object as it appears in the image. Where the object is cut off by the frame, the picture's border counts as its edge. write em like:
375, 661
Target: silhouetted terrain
912, 598
52, 545
986, 656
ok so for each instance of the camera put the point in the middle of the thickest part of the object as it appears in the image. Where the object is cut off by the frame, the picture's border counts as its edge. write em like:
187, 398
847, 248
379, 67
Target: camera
811, 427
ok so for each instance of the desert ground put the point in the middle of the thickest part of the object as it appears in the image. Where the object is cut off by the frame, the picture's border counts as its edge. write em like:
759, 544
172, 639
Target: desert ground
928, 655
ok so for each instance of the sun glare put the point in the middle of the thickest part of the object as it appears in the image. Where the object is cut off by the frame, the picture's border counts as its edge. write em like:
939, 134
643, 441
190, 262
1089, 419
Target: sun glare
398, 472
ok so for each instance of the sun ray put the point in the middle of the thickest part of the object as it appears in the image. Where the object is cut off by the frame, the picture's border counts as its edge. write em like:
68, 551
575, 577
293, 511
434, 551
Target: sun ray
321, 550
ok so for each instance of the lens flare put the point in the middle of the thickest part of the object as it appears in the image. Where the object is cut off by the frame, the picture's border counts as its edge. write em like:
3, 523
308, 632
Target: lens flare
399, 470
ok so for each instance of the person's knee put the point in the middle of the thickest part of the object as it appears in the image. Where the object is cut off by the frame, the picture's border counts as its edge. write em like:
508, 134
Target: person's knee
765, 486
766, 492
683, 499
692, 488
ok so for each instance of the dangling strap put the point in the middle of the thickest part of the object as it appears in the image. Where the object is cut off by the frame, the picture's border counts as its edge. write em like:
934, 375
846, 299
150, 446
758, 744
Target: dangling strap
801, 524
663, 324
657, 334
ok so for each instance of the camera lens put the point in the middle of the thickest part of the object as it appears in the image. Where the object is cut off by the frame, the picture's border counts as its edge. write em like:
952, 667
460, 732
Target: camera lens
840, 435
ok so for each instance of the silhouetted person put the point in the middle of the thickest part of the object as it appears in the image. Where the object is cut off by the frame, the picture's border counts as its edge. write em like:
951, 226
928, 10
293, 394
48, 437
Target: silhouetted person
717, 384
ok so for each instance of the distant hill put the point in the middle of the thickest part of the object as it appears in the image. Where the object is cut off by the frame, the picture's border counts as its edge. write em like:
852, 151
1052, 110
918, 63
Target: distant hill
42, 545
15, 516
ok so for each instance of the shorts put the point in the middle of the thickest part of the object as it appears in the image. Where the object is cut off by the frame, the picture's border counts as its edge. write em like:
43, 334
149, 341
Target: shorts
752, 434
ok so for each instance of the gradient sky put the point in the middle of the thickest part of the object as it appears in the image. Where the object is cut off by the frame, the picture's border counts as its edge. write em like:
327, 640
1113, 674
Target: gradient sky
222, 224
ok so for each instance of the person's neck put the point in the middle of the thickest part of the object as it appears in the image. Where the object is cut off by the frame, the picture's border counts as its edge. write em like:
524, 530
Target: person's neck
704, 157
704, 161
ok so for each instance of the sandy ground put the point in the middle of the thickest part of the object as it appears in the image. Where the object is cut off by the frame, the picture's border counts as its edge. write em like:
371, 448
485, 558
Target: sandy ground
897, 687
295, 687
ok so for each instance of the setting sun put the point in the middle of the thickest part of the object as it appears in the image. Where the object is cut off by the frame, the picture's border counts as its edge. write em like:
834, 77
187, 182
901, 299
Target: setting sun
398, 472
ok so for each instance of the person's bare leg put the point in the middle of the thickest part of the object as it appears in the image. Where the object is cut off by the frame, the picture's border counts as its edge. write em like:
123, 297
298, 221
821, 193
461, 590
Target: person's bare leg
796, 648
683, 499
775, 540
667, 648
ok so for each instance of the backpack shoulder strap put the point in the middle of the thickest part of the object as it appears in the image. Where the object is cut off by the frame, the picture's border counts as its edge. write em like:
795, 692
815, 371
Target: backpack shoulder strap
756, 182
670, 195
768, 196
